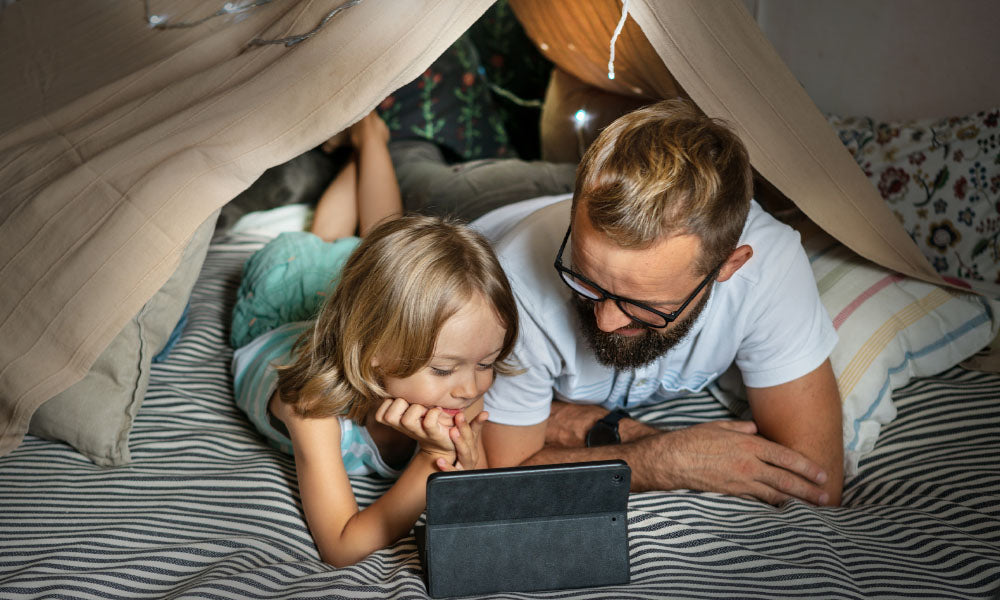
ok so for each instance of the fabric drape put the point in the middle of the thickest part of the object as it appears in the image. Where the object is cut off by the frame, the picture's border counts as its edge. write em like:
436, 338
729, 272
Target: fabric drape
117, 140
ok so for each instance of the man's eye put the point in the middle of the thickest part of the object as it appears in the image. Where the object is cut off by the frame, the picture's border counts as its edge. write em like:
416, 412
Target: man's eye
440, 372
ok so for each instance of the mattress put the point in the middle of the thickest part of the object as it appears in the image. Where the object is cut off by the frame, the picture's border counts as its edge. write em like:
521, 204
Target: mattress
208, 510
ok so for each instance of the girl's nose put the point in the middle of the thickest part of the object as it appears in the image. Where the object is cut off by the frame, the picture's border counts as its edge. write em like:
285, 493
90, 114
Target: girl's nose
466, 387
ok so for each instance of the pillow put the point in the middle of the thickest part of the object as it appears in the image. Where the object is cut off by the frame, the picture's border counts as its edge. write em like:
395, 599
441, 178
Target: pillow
891, 329
95, 414
941, 177
516, 72
449, 104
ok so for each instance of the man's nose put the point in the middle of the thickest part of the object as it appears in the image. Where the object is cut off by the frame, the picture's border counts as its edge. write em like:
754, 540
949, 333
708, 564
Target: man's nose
609, 317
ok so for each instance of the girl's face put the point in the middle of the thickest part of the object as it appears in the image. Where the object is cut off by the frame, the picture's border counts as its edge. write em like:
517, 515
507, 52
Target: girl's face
461, 368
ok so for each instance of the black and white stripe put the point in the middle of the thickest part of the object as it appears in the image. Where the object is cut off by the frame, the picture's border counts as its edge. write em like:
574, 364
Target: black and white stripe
208, 510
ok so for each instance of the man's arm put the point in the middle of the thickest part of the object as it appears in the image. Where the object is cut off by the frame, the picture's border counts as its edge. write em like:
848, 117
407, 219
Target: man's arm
511, 445
722, 456
805, 415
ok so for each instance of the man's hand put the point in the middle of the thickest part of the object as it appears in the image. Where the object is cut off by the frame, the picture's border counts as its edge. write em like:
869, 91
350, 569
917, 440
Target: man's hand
726, 457
723, 456
569, 423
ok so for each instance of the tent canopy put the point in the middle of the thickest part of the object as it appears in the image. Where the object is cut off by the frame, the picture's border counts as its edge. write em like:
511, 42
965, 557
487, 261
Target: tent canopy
117, 140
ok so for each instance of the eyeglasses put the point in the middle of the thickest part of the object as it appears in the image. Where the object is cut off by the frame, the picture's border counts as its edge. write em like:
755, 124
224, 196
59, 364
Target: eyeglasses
643, 313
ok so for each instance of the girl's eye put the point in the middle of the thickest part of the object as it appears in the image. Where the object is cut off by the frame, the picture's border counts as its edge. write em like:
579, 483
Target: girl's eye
440, 372
484, 366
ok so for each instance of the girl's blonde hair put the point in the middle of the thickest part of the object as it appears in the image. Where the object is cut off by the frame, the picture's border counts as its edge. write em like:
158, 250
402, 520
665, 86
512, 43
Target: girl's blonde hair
399, 286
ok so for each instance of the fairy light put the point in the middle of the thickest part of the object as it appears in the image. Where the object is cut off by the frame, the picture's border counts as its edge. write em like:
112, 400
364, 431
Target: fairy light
614, 38
162, 21
295, 39
580, 119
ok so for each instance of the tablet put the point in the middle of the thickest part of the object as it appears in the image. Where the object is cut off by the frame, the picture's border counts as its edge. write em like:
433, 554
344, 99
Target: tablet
525, 529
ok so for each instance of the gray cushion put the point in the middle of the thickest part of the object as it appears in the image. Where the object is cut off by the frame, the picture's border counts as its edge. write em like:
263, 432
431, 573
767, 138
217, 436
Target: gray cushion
95, 414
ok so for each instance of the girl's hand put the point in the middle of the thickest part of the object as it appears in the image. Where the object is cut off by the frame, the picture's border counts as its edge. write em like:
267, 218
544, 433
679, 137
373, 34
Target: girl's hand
465, 436
419, 423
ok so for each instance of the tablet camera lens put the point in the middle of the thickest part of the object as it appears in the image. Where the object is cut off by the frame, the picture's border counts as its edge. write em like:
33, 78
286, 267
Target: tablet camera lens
617, 478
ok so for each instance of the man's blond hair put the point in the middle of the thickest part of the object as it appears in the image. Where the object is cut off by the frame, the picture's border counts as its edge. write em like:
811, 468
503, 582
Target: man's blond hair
399, 286
666, 169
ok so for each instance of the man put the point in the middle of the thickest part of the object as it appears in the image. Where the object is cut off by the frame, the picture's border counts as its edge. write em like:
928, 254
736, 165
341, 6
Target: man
656, 277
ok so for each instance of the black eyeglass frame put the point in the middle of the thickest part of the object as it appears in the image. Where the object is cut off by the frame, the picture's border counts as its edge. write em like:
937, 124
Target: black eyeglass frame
621, 300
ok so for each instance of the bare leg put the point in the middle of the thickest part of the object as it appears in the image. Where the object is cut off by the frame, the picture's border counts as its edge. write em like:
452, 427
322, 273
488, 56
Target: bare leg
337, 210
378, 192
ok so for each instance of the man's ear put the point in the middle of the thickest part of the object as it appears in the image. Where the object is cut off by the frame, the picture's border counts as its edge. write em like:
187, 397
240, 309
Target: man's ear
737, 259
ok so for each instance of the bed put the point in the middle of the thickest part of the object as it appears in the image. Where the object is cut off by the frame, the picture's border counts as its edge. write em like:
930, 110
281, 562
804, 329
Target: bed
207, 510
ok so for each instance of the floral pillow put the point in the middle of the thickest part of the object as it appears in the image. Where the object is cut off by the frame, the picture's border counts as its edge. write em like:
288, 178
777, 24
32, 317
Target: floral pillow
450, 103
941, 177
470, 100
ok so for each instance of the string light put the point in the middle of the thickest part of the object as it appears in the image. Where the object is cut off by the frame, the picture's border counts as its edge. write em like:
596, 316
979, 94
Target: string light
229, 8
295, 39
481, 71
162, 21
580, 119
506, 93
614, 38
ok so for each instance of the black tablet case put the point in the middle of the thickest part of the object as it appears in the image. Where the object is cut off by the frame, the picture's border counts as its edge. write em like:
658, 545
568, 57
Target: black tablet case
526, 529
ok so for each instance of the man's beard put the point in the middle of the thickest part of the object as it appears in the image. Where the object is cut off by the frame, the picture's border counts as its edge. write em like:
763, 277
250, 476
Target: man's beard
631, 352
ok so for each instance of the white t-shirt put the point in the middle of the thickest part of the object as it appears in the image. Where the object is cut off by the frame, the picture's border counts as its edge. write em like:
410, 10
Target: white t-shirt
767, 318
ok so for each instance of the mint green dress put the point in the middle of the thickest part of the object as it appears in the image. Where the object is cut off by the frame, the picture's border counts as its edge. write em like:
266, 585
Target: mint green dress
284, 285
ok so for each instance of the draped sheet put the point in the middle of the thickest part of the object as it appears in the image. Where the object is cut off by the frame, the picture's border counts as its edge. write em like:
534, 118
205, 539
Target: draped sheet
117, 140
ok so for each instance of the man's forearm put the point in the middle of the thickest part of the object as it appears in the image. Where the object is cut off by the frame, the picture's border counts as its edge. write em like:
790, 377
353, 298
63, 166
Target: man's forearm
649, 468
721, 456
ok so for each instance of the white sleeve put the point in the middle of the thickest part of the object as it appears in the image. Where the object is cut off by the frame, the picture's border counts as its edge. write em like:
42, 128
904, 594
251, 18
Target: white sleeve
525, 398
789, 332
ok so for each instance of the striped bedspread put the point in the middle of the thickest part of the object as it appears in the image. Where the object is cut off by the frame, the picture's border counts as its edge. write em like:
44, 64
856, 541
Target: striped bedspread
208, 510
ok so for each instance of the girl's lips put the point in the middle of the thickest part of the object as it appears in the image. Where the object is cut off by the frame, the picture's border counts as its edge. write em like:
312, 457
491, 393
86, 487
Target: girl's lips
451, 411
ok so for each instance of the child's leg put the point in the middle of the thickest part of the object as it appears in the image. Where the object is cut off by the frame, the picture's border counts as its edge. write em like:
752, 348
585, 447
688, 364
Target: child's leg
337, 210
378, 192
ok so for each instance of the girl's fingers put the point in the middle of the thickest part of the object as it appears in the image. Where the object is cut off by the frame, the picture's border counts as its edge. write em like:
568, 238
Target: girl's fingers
412, 417
478, 422
460, 439
380, 412
462, 424
432, 426
466, 444
392, 411
444, 465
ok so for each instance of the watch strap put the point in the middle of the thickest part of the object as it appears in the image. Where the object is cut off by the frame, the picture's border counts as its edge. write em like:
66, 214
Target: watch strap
605, 430
613, 417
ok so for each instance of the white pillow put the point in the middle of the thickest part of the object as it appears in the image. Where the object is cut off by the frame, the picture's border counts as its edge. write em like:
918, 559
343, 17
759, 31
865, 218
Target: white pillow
892, 328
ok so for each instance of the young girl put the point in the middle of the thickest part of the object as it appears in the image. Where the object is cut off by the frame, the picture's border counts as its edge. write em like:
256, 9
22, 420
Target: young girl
388, 378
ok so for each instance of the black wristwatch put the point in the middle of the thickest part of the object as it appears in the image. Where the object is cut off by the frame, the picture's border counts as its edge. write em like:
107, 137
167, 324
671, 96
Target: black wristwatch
605, 431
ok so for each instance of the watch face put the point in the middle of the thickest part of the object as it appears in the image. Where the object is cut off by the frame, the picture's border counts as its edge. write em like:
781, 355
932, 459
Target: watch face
602, 434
